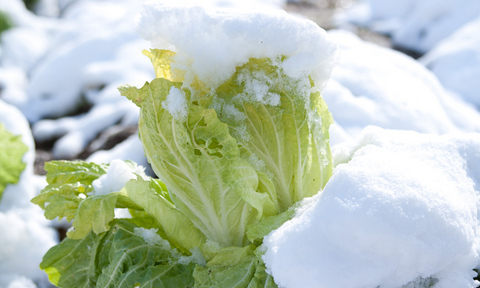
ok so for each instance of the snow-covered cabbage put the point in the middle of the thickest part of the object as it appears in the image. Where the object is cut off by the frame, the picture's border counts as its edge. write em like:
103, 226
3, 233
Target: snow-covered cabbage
233, 154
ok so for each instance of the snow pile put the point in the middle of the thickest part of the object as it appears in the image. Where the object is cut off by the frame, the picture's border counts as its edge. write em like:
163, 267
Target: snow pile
26, 235
400, 207
213, 40
456, 62
19, 282
414, 24
25, 239
372, 85
118, 174
81, 57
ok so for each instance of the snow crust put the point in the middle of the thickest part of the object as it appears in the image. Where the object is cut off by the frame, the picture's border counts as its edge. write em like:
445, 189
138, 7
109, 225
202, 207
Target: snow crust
118, 174
213, 40
400, 205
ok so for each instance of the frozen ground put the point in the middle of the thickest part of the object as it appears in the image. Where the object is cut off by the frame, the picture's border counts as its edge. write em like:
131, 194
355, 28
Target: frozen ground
401, 190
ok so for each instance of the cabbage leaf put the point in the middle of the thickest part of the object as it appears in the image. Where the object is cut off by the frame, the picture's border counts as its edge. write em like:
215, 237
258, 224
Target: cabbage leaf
11, 152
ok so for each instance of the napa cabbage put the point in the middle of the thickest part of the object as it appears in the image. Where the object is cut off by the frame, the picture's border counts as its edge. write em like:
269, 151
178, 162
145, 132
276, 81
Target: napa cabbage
231, 162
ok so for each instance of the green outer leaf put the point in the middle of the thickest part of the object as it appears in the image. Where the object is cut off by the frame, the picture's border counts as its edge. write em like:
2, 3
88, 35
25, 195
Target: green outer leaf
11, 152
256, 233
236, 267
117, 258
132, 261
63, 200
65, 172
67, 195
94, 213
67, 264
178, 228
5, 22
69, 184
200, 163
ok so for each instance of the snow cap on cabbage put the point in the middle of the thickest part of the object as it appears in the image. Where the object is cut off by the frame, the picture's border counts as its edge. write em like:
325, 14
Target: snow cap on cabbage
211, 41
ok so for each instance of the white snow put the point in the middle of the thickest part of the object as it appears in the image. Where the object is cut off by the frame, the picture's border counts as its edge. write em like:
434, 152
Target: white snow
16, 281
456, 62
257, 85
25, 239
150, 236
26, 235
78, 131
402, 205
372, 85
213, 40
83, 56
130, 149
176, 104
118, 174
415, 24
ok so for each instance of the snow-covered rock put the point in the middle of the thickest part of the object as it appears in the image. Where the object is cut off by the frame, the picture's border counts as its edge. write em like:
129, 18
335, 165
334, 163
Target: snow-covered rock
400, 207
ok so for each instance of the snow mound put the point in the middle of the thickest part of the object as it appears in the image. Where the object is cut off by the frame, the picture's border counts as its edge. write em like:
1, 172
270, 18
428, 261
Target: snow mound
373, 85
26, 235
79, 59
414, 24
214, 40
24, 241
118, 174
456, 62
400, 207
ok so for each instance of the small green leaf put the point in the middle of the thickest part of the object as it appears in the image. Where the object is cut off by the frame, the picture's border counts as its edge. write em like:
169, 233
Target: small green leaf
64, 172
5, 22
94, 213
11, 152
67, 264
69, 195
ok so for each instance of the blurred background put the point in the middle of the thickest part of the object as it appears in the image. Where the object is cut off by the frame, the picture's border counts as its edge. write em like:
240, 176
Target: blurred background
402, 64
